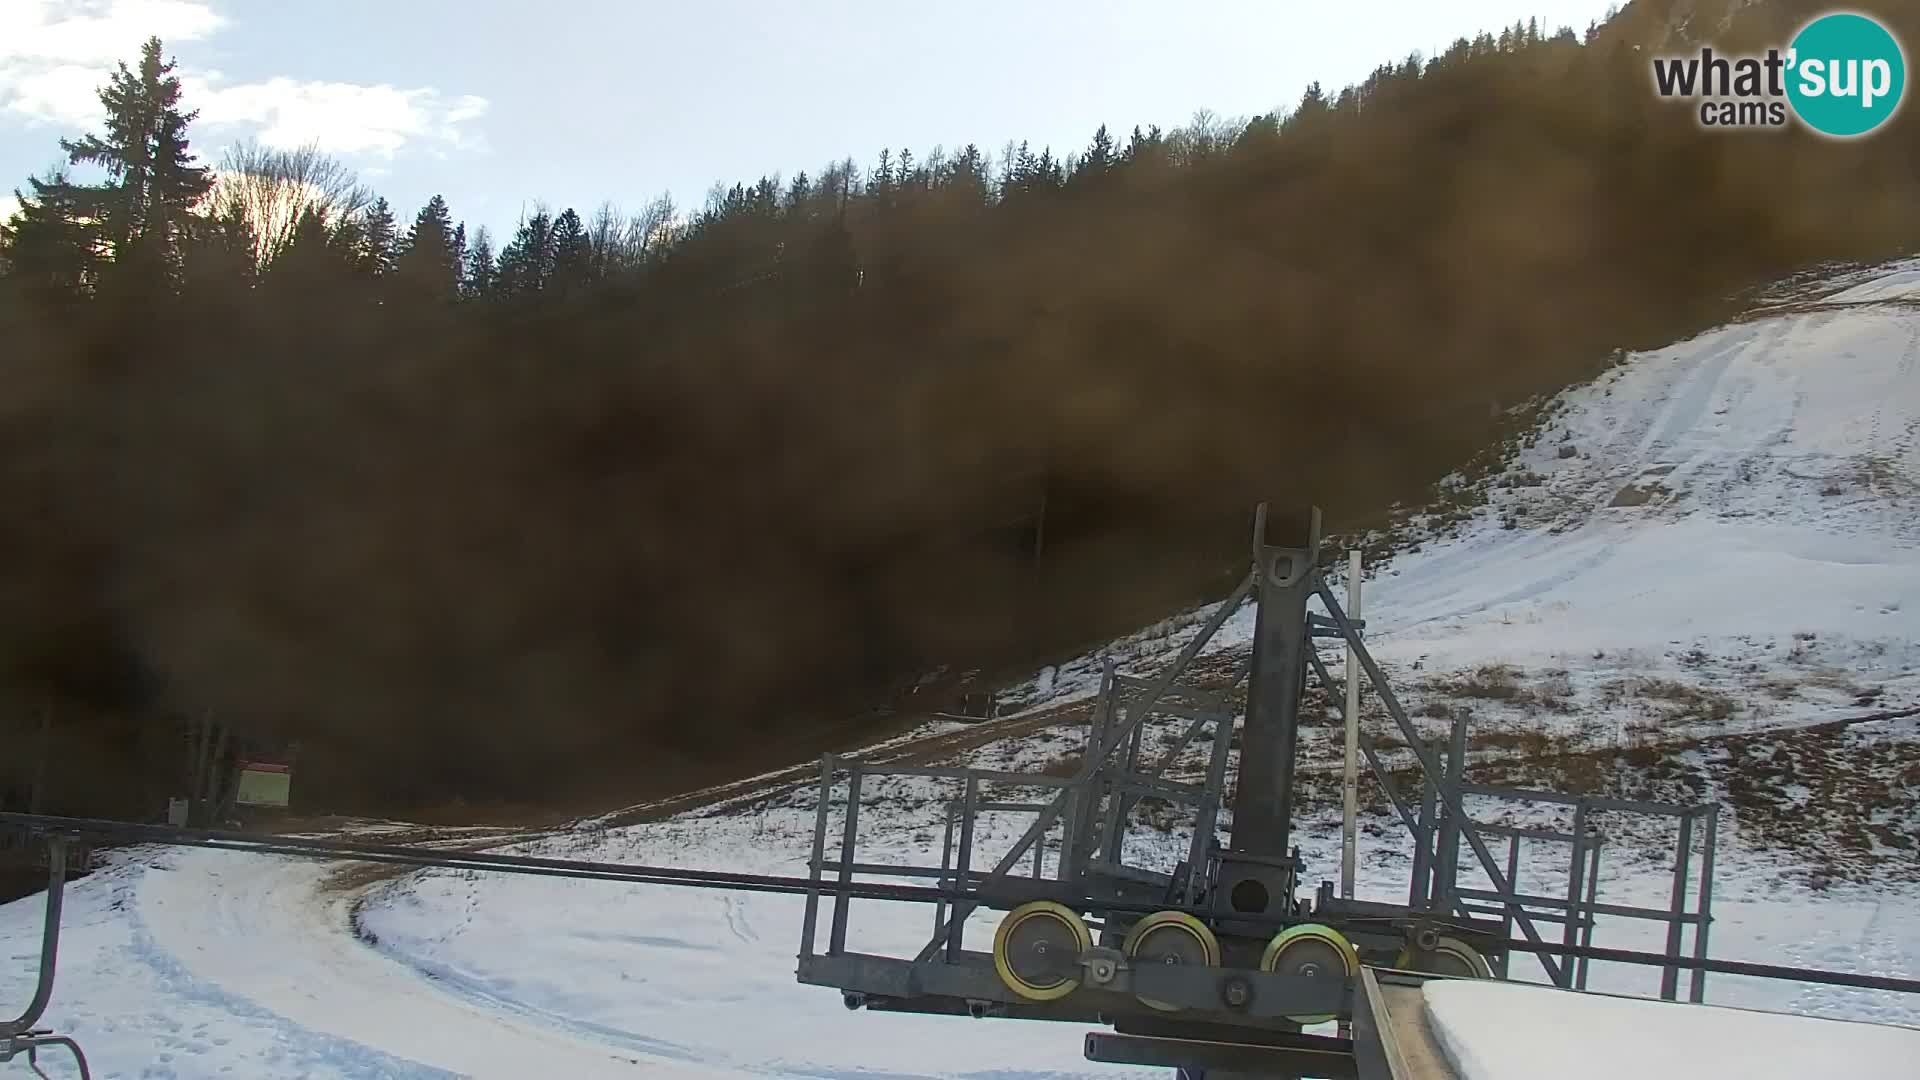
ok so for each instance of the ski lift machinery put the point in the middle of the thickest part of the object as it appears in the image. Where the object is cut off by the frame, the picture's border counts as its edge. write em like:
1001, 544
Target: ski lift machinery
1216, 966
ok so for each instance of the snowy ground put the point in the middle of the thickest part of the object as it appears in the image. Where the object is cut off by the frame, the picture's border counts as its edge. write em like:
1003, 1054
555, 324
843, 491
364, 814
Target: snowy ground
1688, 568
1496, 1031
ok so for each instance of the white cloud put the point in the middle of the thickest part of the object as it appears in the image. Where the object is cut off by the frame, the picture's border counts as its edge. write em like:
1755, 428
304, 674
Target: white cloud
56, 54
347, 118
98, 33
67, 95
9, 206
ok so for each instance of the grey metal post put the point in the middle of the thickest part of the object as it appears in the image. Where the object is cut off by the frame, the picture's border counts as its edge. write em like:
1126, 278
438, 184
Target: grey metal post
819, 854
1576, 874
946, 864
955, 929
1084, 807
1420, 891
1697, 989
1069, 868
1207, 817
1513, 876
1670, 976
837, 943
1449, 868
1263, 802
1586, 925
1113, 832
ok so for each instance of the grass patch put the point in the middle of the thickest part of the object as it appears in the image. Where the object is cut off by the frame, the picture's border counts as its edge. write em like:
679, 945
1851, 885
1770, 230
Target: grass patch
1635, 495
1065, 765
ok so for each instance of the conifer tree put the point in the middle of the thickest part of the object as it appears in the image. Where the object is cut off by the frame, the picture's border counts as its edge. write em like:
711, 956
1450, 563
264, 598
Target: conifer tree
152, 181
220, 252
572, 251
377, 240
1099, 156
48, 244
428, 262
311, 264
480, 271
526, 262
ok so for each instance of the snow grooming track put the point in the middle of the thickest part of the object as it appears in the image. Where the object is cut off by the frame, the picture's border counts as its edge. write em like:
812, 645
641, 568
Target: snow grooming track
301, 962
711, 971
138, 1009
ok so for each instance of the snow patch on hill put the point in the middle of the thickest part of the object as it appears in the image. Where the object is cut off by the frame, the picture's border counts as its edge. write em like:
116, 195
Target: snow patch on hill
1738, 514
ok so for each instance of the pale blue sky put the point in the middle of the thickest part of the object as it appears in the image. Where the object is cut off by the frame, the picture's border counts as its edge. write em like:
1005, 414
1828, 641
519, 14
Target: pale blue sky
572, 102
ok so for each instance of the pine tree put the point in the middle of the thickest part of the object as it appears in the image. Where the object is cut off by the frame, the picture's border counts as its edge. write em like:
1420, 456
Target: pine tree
572, 251
480, 276
220, 252
428, 262
377, 240
152, 182
50, 244
1313, 109
311, 263
1099, 158
970, 176
526, 262
799, 192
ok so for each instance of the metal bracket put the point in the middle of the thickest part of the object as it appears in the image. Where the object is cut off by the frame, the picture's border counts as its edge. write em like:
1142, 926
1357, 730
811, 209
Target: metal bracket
19, 1036
30, 1044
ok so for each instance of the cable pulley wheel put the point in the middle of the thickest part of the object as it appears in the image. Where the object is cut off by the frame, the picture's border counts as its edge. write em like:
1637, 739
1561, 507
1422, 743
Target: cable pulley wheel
1310, 949
1171, 937
1449, 956
1036, 950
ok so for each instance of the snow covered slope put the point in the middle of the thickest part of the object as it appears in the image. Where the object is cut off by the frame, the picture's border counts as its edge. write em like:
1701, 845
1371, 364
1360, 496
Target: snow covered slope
1704, 552
1738, 513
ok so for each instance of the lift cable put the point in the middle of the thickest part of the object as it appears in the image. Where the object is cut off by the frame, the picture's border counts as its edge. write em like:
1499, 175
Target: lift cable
125, 832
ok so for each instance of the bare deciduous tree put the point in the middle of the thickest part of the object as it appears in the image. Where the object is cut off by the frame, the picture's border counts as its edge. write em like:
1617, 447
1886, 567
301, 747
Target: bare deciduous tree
654, 229
273, 188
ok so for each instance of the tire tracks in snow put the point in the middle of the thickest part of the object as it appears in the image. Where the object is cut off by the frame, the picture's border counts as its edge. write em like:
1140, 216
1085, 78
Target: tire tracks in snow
302, 963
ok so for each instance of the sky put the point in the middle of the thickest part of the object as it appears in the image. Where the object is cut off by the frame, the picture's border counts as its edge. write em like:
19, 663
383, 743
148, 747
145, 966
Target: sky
499, 107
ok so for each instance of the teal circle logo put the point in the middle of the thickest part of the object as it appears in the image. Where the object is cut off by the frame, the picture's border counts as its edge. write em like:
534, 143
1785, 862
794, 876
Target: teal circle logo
1847, 75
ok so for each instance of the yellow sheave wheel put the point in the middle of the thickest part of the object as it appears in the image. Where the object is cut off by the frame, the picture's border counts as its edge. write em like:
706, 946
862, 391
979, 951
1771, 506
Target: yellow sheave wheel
1171, 937
1308, 949
1450, 957
1036, 950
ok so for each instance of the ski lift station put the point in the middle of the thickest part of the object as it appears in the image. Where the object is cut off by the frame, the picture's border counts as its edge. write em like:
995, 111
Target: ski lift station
1232, 957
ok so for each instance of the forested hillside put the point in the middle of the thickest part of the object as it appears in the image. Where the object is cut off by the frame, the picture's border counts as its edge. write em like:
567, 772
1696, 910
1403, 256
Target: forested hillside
495, 517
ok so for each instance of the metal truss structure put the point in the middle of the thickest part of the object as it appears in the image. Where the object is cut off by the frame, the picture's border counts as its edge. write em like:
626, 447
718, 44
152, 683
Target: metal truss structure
1218, 950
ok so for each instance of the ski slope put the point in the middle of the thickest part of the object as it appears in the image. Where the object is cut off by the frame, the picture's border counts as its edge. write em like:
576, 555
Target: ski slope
1740, 511
1736, 515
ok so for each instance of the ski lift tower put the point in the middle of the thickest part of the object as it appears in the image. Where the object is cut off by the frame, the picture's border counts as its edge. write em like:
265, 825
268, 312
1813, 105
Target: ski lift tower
1217, 966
